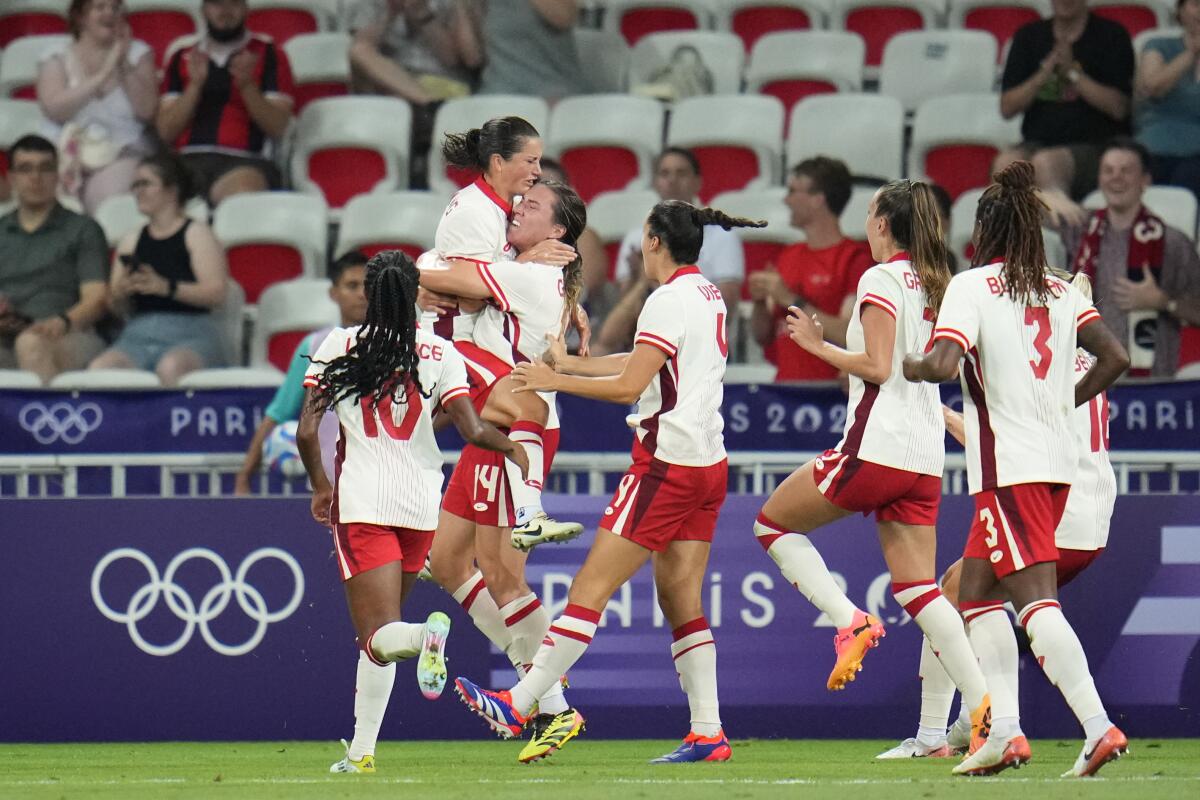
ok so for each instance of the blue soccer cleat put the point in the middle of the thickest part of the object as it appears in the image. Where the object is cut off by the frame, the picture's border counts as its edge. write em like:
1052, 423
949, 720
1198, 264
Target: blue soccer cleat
496, 708
698, 748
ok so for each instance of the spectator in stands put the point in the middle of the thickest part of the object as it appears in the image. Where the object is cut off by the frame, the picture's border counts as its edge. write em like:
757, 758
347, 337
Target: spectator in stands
1072, 76
166, 280
98, 93
1168, 117
347, 276
52, 270
531, 49
819, 275
676, 177
1146, 274
225, 99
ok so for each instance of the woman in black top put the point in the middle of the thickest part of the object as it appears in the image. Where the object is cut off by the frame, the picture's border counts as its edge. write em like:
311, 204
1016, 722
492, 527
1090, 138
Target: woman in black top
166, 280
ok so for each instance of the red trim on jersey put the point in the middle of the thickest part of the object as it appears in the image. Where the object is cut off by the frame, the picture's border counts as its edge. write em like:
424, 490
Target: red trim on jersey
490, 193
656, 341
669, 393
987, 437
688, 270
493, 285
517, 616
1086, 318
861, 412
880, 302
457, 391
957, 337
901, 256
688, 628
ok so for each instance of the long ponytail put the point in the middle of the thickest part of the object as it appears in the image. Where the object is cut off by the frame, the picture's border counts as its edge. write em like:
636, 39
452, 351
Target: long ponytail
911, 209
681, 225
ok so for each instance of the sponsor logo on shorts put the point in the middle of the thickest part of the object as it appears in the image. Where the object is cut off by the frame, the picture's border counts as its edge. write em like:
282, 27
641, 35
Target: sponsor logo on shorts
481, 507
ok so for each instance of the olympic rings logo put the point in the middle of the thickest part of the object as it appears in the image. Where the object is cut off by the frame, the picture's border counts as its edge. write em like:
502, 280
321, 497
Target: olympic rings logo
214, 602
48, 424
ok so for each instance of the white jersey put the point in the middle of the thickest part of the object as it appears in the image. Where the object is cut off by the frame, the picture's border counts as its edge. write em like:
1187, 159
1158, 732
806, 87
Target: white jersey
897, 423
678, 417
1018, 377
389, 467
527, 306
1085, 521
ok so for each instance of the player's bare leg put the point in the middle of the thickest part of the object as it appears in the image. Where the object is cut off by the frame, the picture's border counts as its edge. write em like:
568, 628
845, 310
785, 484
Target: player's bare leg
794, 509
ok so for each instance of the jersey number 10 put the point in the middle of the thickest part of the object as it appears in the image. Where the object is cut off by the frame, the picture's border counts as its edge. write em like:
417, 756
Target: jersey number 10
383, 413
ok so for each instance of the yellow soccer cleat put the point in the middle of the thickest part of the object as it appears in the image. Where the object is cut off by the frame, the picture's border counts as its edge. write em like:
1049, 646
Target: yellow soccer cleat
851, 645
550, 734
364, 765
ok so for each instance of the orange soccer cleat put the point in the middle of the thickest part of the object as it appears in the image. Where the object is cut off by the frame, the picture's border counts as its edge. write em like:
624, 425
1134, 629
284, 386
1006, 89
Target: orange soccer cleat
851, 644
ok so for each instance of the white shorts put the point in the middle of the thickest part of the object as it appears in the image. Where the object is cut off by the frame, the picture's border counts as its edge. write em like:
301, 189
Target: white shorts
1089, 510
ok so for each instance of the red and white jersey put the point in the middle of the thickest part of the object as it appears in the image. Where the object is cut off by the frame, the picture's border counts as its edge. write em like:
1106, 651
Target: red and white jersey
1018, 377
527, 306
678, 417
388, 465
897, 423
1085, 521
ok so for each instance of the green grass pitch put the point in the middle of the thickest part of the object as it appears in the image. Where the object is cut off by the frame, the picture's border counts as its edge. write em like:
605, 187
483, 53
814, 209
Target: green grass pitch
487, 770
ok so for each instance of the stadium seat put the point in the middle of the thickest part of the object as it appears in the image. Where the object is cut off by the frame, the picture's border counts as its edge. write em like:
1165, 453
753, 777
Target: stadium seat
794, 65
233, 378
287, 312
864, 130
158, 23
320, 66
230, 318
19, 379
395, 221
283, 20
753, 19
962, 221
271, 237
761, 246
750, 373
1189, 371
612, 215
604, 56
606, 142
1176, 206
738, 139
635, 19
919, 65
19, 64
853, 219
1135, 15
346, 146
955, 138
1000, 18
722, 54
877, 21
17, 118
20, 18
119, 215
83, 379
462, 114
1145, 37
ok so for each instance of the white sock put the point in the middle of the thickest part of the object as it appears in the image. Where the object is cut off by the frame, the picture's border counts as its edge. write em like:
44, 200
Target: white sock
1058, 650
372, 689
994, 643
395, 641
527, 492
695, 655
943, 627
527, 623
937, 696
473, 596
804, 568
566, 641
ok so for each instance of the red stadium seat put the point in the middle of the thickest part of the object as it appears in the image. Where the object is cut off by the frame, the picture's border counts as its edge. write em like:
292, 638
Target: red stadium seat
287, 312
283, 20
271, 237
1135, 15
877, 21
606, 143
1000, 18
738, 140
158, 23
393, 221
637, 18
753, 19
598, 169
31, 18
793, 65
956, 137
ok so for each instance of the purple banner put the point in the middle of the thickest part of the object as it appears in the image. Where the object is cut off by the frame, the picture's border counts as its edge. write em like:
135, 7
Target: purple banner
209, 619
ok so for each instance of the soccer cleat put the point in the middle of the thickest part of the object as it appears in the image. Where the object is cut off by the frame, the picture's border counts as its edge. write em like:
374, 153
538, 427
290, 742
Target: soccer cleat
959, 737
426, 573
542, 529
550, 733
911, 748
995, 756
851, 644
698, 748
431, 664
364, 765
981, 723
1112, 745
496, 708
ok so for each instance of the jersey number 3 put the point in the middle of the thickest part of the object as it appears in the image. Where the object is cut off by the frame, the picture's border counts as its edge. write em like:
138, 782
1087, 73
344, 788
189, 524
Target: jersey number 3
402, 432
1040, 318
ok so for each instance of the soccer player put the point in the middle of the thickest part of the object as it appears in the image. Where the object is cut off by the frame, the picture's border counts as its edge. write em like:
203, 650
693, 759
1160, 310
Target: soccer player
1080, 539
1011, 330
384, 379
890, 458
666, 505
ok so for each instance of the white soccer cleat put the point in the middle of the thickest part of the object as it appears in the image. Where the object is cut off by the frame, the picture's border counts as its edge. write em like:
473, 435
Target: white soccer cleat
542, 529
1112, 745
911, 748
363, 766
959, 737
431, 663
995, 756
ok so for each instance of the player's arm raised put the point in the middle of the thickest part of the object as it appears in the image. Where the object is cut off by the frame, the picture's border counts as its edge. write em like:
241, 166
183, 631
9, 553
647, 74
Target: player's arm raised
309, 445
483, 434
873, 365
1111, 360
638, 369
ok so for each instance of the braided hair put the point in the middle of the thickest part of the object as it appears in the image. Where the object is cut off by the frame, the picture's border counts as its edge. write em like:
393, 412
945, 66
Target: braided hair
1009, 220
383, 359
680, 226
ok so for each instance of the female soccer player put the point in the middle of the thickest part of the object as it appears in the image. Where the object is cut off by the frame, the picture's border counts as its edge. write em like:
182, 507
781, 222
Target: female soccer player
384, 379
890, 458
666, 505
1080, 539
1011, 329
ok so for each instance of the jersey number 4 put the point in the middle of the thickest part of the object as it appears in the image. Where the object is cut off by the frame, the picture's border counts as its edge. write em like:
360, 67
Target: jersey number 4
1039, 318
382, 415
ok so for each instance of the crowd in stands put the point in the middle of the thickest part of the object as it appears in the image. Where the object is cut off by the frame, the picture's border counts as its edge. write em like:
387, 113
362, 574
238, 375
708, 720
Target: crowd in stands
182, 125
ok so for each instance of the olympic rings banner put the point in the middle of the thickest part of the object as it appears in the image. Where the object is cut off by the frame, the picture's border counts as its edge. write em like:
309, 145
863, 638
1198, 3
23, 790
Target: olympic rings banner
225, 619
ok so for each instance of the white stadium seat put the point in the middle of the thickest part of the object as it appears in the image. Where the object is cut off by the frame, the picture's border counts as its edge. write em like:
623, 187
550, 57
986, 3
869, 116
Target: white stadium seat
1175, 206
737, 138
232, 378
271, 237
464, 113
614, 214
230, 318
722, 53
795, 64
962, 227
636, 19
287, 312
84, 379
320, 65
19, 64
395, 221
877, 21
864, 130
19, 379
761, 246
853, 219
606, 142
17, 118
919, 65
605, 57
955, 139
